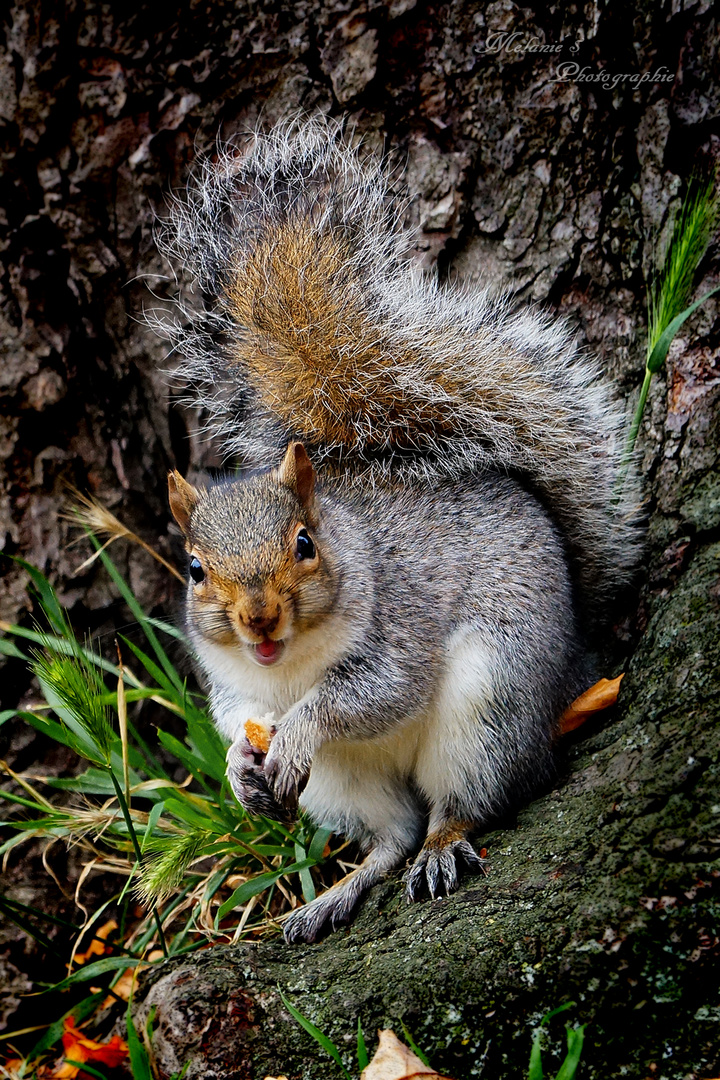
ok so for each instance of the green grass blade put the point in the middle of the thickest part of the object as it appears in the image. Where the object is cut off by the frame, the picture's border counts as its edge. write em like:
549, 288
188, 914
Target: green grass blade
575, 1038
86, 1068
535, 1072
9, 648
66, 735
556, 1011
206, 741
414, 1047
43, 916
194, 764
91, 971
152, 765
153, 818
67, 647
318, 844
168, 628
25, 924
257, 885
322, 1040
48, 600
164, 684
139, 1059
129, 598
362, 1054
306, 881
92, 782
659, 353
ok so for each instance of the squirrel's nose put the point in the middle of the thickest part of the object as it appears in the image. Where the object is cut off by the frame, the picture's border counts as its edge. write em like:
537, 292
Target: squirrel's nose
260, 621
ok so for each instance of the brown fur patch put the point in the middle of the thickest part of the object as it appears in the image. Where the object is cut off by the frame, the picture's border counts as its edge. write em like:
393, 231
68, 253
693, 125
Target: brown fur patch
225, 606
317, 359
448, 833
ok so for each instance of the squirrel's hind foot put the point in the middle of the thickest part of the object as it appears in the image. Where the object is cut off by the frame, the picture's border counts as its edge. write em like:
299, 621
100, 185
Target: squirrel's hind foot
435, 869
329, 912
337, 906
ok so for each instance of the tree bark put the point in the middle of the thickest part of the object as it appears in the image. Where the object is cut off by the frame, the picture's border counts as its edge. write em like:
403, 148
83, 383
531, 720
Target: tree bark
543, 179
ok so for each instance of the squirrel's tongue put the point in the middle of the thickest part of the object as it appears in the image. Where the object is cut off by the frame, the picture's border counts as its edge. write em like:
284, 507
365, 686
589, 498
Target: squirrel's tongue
268, 651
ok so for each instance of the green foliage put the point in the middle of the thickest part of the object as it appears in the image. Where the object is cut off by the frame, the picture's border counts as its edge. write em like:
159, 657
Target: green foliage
567, 1071
185, 847
320, 1038
413, 1046
362, 1054
671, 286
575, 1037
75, 689
140, 1054
672, 279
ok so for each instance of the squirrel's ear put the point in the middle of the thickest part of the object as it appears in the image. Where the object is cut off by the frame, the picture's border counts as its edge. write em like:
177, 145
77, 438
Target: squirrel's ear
183, 499
298, 474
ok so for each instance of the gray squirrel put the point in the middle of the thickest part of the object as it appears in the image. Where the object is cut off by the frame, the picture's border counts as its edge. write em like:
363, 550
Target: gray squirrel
405, 583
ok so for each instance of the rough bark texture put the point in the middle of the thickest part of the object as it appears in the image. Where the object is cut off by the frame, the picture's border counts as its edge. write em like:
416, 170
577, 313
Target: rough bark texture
606, 889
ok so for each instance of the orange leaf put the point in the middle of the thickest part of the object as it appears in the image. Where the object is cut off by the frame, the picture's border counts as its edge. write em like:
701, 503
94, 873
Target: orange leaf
97, 948
78, 1047
13, 1067
600, 696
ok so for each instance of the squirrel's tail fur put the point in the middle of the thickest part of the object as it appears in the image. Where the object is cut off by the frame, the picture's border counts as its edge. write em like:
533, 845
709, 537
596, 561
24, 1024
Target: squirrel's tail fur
321, 329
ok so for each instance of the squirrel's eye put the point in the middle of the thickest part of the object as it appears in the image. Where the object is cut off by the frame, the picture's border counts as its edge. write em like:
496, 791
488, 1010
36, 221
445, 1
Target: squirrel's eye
304, 547
196, 571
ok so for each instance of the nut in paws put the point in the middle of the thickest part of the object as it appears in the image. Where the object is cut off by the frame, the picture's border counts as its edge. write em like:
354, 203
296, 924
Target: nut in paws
247, 778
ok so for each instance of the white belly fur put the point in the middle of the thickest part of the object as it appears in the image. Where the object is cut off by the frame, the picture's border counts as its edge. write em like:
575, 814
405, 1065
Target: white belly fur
369, 782
364, 787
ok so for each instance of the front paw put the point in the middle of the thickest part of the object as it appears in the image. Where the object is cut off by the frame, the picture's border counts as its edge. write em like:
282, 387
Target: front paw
287, 770
247, 778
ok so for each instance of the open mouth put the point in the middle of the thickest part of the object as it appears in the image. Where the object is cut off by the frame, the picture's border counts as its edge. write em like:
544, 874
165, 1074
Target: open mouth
268, 651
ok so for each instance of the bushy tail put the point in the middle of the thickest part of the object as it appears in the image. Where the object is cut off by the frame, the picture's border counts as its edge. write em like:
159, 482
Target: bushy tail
320, 328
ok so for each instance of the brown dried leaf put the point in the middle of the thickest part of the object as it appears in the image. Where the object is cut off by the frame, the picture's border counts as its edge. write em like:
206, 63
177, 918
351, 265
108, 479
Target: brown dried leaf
600, 696
394, 1061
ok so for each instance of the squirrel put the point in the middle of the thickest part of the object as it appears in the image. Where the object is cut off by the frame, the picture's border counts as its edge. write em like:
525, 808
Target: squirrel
409, 576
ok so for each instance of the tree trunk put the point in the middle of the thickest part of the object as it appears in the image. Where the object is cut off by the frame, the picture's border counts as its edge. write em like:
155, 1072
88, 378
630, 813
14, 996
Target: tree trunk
541, 162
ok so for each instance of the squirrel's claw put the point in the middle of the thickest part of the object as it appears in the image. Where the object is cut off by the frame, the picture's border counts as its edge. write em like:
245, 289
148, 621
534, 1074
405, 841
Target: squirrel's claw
329, 912
286, 770
286, 780
247, 779
435, 870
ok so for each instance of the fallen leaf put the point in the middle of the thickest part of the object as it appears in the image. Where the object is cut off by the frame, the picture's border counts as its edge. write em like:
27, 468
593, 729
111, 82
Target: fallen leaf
97, 947
15, 1068
600, 696
395, 1061
78, 1048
